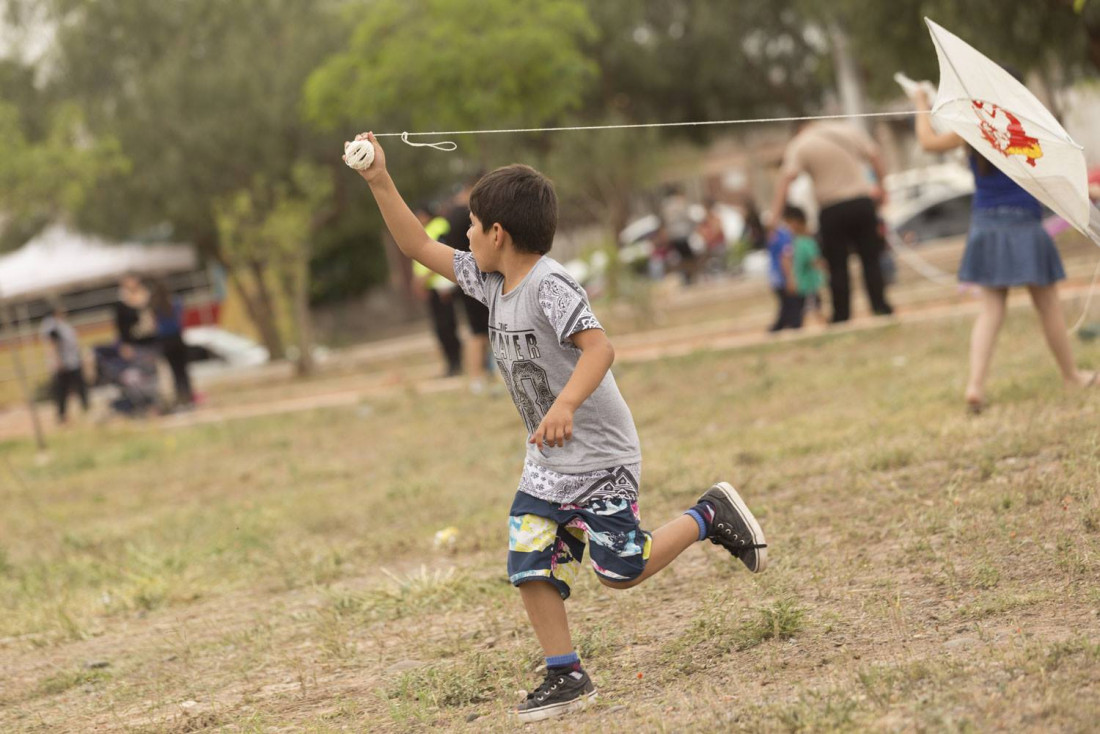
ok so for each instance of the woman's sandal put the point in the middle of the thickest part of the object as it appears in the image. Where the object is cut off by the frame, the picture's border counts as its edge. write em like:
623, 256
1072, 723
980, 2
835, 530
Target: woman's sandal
974, 406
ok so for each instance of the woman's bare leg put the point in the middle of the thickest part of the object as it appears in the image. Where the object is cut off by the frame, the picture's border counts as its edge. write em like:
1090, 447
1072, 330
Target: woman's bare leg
1053, 322
983, 338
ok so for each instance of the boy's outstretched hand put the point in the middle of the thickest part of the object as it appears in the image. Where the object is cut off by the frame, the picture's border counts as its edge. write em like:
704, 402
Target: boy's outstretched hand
377, 168
556, 427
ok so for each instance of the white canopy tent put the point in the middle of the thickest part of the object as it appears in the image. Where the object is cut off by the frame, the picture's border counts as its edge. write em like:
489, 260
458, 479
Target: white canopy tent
60, 260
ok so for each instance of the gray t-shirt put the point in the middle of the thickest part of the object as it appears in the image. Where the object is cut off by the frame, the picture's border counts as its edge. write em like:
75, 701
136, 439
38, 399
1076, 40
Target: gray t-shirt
530, 333
66, 345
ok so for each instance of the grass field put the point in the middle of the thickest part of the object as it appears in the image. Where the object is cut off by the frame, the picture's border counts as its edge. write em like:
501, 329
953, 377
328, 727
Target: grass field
930, 570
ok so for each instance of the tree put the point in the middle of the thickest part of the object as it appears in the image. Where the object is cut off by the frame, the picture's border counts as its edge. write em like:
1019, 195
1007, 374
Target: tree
265, 232
49, 164
597, 173
688, 60
204, 97
424, 65
457, 64
1032, 35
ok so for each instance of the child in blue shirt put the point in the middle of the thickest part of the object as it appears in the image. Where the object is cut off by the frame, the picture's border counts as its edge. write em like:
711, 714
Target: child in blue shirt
781, 278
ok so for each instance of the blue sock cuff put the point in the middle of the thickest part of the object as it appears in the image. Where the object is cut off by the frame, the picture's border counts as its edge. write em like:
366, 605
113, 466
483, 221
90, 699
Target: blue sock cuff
700, 521
563, 661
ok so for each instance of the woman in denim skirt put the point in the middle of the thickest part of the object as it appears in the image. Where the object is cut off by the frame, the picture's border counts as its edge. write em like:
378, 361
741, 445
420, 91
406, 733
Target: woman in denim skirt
1006, 246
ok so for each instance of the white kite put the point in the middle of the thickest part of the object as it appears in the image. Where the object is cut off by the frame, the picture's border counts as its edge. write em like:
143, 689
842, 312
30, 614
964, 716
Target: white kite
1004, 122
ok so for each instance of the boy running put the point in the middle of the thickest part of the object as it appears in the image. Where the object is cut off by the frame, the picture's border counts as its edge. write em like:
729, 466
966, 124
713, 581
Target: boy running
583, 465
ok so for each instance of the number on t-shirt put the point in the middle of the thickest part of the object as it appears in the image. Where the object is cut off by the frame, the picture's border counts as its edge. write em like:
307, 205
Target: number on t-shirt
531, 392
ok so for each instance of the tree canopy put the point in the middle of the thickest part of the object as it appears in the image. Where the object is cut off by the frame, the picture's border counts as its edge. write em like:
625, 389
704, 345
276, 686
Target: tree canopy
148, 113
457, 64
50, 165
685, 60
1031, 35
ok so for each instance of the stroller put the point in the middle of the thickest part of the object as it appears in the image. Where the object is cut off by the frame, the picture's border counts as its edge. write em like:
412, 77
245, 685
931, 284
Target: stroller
135, 378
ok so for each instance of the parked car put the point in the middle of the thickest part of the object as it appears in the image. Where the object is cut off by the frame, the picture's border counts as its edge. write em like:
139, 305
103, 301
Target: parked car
929, 203
211, 349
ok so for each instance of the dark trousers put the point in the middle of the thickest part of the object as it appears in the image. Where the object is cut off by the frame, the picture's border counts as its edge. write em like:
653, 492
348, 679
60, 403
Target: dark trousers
689, 263
477, 314
66, 381
442, 309
175, 354
791, 307
846, 227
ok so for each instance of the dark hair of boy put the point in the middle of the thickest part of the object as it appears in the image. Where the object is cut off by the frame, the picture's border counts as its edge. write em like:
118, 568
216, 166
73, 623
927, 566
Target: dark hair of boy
523, 202
794, 214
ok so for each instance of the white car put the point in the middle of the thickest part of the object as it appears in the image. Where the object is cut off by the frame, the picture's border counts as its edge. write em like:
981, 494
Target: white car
212, 350
929, 203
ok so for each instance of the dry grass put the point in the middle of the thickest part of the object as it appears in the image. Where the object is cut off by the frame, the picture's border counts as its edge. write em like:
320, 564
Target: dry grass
930, 571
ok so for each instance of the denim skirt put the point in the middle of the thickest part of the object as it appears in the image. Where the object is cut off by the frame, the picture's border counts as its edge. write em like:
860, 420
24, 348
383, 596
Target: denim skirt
1007, 246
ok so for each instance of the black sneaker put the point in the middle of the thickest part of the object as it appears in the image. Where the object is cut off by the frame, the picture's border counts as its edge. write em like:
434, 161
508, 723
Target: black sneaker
734, 528
561, 693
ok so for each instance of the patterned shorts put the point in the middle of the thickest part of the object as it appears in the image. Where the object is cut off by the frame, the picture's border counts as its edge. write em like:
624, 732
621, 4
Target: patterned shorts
546, 539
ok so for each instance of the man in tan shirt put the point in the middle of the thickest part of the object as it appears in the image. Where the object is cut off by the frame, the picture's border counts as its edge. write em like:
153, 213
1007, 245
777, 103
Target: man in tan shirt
836, 156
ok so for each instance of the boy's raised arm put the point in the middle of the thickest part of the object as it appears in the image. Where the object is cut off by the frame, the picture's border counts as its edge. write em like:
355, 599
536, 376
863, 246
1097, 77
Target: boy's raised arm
402, 223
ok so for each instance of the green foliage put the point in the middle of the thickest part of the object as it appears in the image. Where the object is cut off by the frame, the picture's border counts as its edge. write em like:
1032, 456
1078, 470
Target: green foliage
1028, 34
202, 95
457, 64
672, 60
162, 112
265, 232
42, 178
270, 221
594, 170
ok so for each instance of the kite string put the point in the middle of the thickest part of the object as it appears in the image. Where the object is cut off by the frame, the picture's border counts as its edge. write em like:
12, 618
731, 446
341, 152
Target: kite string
929, 272
911, 258
449, 146
1088, 301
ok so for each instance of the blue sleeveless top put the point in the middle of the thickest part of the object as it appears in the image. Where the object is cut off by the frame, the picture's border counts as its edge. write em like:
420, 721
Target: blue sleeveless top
996, 189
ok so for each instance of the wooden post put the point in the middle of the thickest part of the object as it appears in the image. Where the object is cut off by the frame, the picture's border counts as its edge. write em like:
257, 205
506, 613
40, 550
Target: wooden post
15, 346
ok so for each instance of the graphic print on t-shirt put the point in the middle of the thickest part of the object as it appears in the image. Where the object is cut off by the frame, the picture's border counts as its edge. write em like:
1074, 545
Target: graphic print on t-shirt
532, 331
526, 381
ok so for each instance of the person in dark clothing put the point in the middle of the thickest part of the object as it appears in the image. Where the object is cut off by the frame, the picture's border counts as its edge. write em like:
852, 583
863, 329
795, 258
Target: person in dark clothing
836, 156
477, 314
67, 363
168, 312
755, 232
676, 215
135, 321
440, 295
